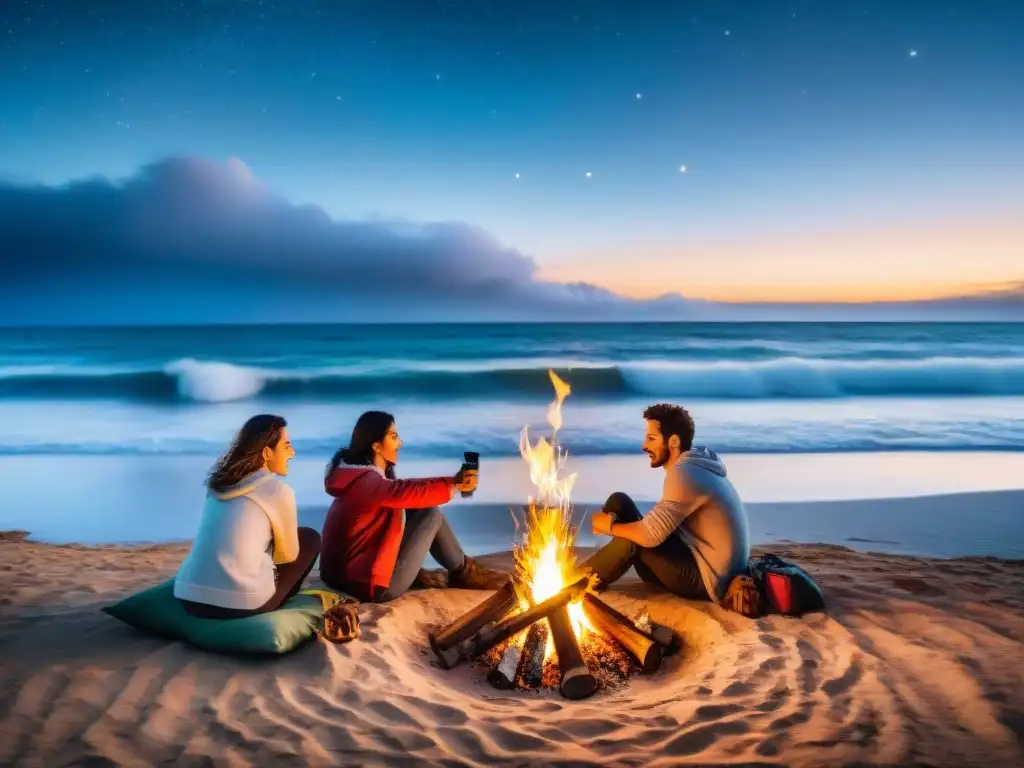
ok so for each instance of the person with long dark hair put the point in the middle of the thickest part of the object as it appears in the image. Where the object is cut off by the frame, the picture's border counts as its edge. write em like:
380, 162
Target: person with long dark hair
250, 554
379, 529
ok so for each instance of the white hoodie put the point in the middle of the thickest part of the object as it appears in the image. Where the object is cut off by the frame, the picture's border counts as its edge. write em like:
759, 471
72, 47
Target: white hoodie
243, 532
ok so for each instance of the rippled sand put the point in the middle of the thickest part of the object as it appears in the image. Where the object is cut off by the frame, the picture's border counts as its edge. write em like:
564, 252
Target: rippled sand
918, 661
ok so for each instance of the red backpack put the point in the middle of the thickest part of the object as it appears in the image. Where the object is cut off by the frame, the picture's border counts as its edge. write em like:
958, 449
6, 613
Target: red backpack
785, 588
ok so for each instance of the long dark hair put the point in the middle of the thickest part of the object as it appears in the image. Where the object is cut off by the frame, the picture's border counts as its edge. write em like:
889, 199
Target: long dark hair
245, 455
372, 427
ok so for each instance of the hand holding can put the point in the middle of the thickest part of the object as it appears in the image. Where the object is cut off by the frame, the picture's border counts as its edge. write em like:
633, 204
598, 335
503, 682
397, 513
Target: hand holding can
470, 472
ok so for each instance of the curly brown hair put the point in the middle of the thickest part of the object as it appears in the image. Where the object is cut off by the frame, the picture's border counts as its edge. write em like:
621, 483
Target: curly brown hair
245, 455
674, 420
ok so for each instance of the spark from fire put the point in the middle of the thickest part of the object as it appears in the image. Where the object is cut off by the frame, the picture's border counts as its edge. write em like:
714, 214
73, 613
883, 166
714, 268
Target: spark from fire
545, 562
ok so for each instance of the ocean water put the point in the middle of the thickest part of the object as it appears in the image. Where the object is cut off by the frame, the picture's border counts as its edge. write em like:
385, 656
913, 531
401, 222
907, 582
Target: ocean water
128, 420
752, 387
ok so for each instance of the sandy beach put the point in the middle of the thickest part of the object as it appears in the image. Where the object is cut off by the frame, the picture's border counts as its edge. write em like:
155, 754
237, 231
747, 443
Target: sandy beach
917, 662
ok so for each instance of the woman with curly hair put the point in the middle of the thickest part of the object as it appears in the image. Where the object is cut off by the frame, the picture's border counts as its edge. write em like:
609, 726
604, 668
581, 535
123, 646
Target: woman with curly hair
250, 555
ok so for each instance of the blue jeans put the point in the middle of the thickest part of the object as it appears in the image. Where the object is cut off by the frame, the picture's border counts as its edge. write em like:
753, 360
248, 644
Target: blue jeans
426, 530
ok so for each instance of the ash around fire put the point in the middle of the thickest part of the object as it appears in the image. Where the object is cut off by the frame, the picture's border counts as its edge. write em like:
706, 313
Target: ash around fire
608, 662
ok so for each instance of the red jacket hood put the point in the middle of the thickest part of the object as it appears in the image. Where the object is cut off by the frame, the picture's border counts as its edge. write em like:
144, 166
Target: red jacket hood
341, 478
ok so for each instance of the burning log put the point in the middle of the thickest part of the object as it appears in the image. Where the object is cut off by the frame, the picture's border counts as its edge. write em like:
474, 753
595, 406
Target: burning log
662, 635
491, 610
609, 621
576, 681
531, 663
503, 675
493, 634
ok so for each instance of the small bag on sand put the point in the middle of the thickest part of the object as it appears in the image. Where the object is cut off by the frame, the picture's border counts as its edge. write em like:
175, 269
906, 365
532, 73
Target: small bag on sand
744, 597
339, 622
785, 588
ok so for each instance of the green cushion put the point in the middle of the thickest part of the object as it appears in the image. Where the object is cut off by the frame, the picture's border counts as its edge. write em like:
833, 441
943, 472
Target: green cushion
158, 612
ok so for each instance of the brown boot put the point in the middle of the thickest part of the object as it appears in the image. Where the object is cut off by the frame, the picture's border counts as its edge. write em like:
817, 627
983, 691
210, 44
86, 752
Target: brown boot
474, 576
426, 579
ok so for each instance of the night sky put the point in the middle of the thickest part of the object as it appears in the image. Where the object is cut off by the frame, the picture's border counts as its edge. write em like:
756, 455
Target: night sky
731, 151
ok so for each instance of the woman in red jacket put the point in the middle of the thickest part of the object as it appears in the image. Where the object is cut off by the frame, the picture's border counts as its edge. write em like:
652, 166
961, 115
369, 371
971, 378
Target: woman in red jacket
379, 529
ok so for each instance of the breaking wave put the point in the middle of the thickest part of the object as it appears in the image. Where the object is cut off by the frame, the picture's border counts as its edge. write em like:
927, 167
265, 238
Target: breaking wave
190, 380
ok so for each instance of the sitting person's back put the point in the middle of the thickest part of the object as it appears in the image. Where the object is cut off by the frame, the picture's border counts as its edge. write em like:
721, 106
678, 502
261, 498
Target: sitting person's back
249, 554
231, 562
702, 508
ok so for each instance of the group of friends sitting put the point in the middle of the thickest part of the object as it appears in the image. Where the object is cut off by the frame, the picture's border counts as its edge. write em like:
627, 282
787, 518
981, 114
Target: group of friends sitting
250, 555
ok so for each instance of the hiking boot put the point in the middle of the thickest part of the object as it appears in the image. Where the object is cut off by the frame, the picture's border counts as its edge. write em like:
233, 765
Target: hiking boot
472, 575
427, 579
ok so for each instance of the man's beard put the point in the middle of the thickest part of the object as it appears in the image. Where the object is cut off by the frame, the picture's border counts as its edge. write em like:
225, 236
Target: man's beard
658, 459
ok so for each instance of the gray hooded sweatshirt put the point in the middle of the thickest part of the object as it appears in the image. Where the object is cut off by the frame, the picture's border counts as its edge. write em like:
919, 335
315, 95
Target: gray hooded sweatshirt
700, 505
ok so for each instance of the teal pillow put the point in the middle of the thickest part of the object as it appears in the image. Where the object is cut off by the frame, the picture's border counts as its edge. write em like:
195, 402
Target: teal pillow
157, 611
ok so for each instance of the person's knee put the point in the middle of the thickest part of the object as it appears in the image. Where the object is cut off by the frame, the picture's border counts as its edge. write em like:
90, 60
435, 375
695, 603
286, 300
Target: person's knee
616, 501
430, 518
309, 541
622, 506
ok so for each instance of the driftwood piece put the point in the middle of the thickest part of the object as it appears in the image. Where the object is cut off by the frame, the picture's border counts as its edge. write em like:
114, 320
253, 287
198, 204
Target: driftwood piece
639, 644
503, 674
491, 610
493, 634
576, 680
531, 662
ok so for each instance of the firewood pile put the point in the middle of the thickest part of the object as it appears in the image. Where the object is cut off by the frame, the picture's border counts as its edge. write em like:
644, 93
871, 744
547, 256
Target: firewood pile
513, 642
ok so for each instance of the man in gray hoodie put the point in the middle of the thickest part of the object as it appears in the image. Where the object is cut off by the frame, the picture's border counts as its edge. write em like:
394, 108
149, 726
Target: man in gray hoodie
695, 540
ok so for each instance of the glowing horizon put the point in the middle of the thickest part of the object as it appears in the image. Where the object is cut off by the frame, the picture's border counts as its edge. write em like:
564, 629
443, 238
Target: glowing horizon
880, 264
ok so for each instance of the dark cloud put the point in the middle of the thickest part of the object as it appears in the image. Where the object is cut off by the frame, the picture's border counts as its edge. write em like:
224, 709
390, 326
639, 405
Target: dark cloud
188, 231
190, 240
1012, 294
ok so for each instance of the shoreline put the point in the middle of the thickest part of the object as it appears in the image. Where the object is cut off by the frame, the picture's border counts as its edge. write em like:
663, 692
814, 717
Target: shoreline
159, 498
978, 524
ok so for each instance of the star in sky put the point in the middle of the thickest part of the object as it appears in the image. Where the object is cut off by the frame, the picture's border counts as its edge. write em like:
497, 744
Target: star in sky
505, 108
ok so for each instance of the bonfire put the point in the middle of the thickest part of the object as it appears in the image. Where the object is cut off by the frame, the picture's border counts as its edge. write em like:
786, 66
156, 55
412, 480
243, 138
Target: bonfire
546, 625
544, 555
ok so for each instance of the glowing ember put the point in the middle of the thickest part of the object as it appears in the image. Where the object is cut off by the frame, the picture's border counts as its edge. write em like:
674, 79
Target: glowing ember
544, 556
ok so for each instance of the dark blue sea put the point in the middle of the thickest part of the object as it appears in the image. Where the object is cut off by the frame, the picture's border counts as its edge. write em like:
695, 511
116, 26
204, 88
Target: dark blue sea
753, 387
106, 434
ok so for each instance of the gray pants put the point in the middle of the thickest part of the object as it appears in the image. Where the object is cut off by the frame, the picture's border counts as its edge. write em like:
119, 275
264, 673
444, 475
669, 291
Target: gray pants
426, 530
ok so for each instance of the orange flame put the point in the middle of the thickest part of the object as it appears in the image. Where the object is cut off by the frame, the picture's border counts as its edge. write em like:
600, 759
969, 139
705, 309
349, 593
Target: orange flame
545, 562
